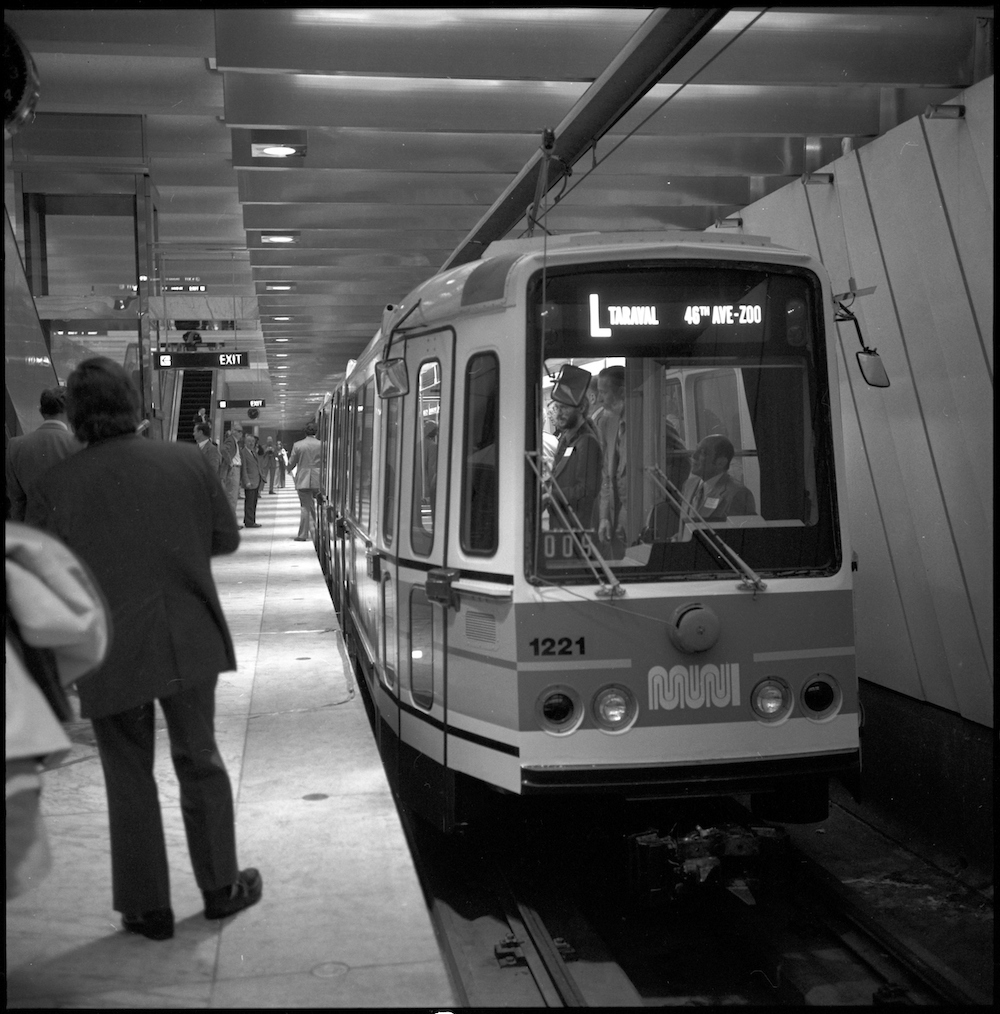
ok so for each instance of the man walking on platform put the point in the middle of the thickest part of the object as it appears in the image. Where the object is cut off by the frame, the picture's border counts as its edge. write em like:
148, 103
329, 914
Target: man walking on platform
146, 517
305, 462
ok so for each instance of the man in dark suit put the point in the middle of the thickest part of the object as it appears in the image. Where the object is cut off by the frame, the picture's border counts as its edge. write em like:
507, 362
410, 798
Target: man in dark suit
251, 478
146, 517
203, 438
231, 465
577, 465
719, 495
30, 455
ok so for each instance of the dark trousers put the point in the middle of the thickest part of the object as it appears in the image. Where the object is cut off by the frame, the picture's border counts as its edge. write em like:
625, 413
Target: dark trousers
139, 873
250, 495
270, 476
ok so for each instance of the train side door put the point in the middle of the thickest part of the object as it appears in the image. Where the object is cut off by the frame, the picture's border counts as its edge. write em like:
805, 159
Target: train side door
423, 524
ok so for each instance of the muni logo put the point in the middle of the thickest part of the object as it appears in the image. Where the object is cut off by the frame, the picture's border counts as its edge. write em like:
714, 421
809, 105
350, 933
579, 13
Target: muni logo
694, 686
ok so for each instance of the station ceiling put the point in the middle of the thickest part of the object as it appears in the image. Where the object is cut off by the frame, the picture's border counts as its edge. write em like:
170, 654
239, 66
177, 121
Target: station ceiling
413, 129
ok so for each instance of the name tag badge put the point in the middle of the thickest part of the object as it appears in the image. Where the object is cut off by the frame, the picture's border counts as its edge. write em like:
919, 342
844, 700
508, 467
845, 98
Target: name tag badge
711, 502
569, 451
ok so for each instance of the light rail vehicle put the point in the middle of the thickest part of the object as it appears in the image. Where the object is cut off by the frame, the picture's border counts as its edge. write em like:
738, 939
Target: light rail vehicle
583, 520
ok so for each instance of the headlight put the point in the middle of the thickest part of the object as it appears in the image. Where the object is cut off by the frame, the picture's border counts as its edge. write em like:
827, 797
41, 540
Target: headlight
614, 708
771, 700
821, 697
558, 710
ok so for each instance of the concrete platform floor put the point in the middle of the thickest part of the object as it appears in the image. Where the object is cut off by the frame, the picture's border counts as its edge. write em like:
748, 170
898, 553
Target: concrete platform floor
342, 922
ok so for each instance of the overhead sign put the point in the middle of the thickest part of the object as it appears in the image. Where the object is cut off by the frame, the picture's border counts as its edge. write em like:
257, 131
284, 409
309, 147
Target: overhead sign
202, 360
241, 403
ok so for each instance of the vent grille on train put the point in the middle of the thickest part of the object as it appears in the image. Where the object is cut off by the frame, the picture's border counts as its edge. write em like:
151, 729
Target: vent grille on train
481, 627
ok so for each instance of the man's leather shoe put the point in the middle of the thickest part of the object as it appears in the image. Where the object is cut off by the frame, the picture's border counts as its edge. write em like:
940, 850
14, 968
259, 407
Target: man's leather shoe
227, 901
156, 925
254, 526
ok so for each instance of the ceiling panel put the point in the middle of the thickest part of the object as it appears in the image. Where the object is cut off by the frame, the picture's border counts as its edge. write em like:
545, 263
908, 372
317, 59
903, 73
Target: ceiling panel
417, 121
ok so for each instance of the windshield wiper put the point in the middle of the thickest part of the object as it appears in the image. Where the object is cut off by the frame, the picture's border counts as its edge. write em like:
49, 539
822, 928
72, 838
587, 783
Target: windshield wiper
750, 580
610, 585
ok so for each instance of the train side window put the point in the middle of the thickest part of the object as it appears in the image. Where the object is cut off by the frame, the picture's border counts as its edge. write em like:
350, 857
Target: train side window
425, 458
391, 409
365, 485
480, 485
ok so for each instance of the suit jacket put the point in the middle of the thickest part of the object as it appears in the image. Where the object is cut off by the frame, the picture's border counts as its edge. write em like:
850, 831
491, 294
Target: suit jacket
226, 453
576, 471
732, 496
30, 455
213, 456
305, 460
249, 468
146, 517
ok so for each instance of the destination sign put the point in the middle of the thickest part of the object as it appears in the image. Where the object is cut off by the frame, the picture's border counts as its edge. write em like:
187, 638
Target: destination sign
202, 360
241, 403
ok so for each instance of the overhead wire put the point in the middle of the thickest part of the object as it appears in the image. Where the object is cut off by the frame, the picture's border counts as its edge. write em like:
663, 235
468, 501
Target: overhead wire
600, 161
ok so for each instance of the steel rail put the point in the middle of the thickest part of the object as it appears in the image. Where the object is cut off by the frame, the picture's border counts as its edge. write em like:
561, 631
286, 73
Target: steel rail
932, 975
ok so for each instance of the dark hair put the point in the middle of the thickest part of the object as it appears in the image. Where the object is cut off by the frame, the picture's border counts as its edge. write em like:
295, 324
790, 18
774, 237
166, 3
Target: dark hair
204, 428
52, 402
101, 401
722, 447
310, 429
615, 376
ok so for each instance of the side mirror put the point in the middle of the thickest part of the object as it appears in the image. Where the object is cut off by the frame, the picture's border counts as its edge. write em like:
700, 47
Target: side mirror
391, 378
872, 369
571, 386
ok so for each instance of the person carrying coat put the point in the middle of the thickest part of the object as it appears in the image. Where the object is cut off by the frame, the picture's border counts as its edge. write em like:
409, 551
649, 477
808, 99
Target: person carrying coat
146, 517
305, 463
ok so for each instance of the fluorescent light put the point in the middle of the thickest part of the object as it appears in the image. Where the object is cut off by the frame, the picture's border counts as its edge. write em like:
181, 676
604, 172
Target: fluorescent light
279, 237
279, 286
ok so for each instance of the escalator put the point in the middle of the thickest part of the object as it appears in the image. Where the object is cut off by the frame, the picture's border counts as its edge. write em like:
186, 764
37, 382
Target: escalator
196, 393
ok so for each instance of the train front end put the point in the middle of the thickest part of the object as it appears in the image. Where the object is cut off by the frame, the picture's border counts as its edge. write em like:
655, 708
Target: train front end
685, 627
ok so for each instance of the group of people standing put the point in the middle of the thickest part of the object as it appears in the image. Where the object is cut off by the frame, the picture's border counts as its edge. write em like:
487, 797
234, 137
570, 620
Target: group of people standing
243, 465
589, 463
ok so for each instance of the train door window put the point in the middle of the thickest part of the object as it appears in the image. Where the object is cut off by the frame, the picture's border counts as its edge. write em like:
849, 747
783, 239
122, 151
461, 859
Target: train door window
425, 458
392, 408
421, 648
353, 455
389, 631
367, 418
480, 485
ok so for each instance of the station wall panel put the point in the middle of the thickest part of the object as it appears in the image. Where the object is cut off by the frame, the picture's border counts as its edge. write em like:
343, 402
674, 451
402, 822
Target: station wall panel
911, 213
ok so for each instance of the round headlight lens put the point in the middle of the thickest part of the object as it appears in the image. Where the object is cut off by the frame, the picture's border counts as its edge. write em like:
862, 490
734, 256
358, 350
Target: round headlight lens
771, 700
558, 710
614, 709
821, 697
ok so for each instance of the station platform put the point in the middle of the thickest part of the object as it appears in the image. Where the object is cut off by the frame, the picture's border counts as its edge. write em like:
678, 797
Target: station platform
343, 921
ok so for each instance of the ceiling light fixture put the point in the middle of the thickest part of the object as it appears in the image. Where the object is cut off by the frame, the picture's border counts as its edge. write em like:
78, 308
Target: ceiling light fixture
279, 237
281, 318
282, 339
279, 286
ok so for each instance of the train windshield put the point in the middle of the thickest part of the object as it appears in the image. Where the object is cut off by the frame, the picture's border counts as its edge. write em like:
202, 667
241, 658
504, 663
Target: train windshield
671, 399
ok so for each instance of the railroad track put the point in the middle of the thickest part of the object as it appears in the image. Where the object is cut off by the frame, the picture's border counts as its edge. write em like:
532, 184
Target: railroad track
522, 925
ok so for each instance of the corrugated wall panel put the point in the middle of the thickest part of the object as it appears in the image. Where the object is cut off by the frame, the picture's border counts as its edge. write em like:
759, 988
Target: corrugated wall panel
911, 213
